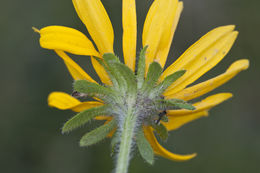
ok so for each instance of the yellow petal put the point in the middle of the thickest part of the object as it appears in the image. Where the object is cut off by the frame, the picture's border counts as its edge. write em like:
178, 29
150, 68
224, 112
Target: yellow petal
176, 122
66, 39
87, 105
205, 104
167, 36
159, 150
94, 16
110, 134
62, 100
101, 72
75, 70
65, 101
159, 27
102, 117
70, 40
129, 33
201, 57
209, 85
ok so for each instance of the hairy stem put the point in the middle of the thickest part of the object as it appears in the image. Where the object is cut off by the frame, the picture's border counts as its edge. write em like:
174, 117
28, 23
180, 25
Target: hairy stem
127, 134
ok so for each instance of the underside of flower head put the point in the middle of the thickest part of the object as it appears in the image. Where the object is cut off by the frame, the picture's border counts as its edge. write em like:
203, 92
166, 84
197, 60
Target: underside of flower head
158, 97
129, 92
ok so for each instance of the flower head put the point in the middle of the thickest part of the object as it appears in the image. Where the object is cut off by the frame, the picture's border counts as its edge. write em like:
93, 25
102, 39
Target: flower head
158, 98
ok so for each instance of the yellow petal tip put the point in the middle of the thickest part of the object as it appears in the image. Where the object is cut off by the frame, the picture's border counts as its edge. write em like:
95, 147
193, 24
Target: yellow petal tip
225, 28
36, 29
223, 96
246, 63
241, 64
235, 33
229, 95
62, 101
206, 114
183, 158
229, 27
193, 155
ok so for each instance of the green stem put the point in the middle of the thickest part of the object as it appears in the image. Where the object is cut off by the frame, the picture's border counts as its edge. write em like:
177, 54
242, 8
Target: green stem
127, 134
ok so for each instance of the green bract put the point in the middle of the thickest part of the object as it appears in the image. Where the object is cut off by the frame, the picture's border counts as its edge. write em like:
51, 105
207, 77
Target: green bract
132, 100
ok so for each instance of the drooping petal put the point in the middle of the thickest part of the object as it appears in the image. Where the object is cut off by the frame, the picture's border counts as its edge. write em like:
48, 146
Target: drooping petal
65, 101
205, 104
87, 105
66, 39
159, 27
102, 117
129, 32
175, 122
94, 16
201, 57
209, 85
159, 150
75, 70
70, 40
101, 71
110, 135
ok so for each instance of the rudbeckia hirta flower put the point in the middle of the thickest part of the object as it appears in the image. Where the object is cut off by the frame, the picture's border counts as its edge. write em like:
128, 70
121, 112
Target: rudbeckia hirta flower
138, 99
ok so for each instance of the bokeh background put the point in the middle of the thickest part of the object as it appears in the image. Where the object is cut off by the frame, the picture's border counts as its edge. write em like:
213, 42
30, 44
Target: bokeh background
30, 139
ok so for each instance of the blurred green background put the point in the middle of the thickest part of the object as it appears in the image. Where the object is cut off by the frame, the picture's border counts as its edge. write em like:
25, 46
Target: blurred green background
227, 141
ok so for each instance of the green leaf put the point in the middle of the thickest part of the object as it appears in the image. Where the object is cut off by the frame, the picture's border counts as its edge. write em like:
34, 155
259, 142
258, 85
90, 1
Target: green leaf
109, 72
111, 60
177, 104
94, 89
182, 104
129, 77
161, 131
153, 74
97, 134
141, 67
144, 147
159, 89
83, 117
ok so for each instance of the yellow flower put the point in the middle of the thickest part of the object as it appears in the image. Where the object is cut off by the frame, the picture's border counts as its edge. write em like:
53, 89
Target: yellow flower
158, 31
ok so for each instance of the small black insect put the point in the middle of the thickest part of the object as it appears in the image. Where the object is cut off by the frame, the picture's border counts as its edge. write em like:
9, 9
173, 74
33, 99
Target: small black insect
161, 114
77, 94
